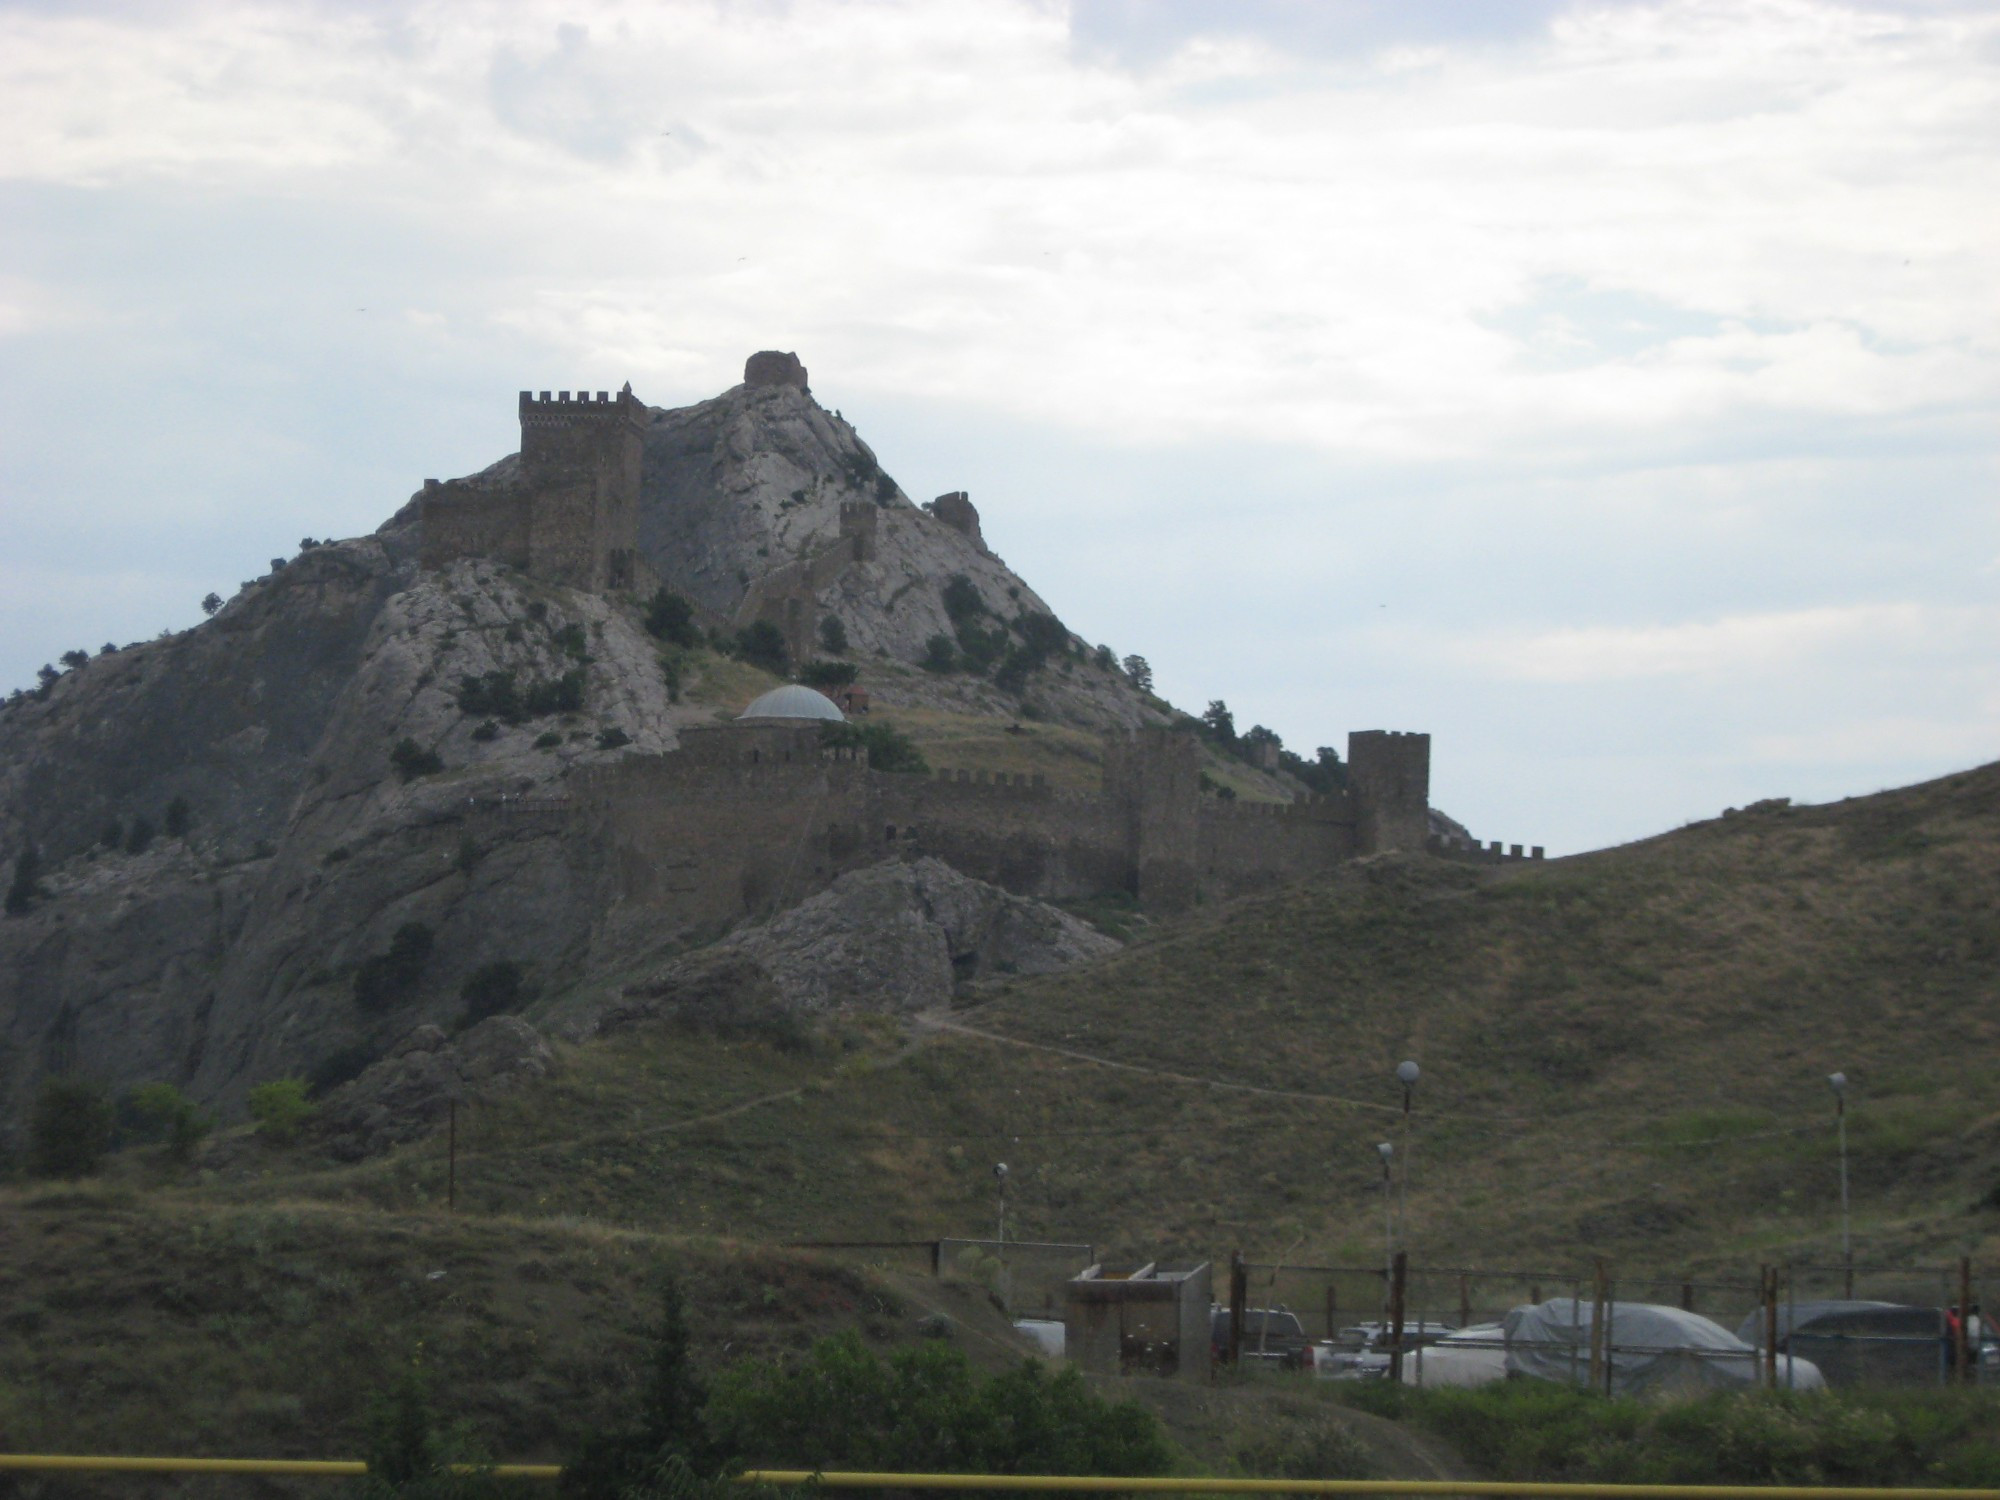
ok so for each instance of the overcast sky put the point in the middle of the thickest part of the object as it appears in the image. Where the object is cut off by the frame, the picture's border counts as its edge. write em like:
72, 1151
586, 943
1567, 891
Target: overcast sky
1611, 390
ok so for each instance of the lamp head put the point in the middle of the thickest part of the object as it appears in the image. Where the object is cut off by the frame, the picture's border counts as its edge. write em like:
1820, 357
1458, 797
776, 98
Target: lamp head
1386, 1150
1000, 1171
1407, 1073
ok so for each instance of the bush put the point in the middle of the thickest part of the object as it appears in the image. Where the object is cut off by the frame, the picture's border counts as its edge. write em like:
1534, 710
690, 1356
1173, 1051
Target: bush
670, 673
27, 885
492, 694
178, 817
139, 837
614, 738
548, 739
562, 696
166, 1116
75, 659
336, 1068
667, 1443
281, 1109
832, 635
961, 600
492, 989
387, 978
69, 1128
211, 604
412, 1455
940, 655
671, 618
411, 760
828, 674
762, 644
489, 729
889, 749
571, 640
926, 1409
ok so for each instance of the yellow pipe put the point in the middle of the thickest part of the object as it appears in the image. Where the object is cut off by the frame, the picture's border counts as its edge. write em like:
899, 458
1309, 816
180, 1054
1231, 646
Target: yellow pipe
1490, 1488
1075, 1483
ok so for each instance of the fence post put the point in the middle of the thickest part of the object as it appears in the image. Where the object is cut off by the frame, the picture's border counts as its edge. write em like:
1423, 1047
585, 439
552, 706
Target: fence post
1239, 1297
1961, 1345
451, 1157
1399, 1272
1464, 1300
1768, 1279
1332, 1307
1687, 1296
1597, 1328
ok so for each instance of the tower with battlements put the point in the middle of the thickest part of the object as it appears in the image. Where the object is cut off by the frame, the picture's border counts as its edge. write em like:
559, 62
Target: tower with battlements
569, 513
1389, 779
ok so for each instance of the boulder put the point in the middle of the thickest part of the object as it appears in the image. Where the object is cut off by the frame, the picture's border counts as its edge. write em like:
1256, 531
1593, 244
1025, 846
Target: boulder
409, 1092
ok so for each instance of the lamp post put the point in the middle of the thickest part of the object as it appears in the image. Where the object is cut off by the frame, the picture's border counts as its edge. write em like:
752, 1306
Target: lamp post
1838, 1083
1000, 1177
1387, 1152
1407, 1074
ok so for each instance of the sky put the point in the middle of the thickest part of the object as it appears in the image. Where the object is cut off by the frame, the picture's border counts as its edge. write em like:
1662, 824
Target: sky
1611, 391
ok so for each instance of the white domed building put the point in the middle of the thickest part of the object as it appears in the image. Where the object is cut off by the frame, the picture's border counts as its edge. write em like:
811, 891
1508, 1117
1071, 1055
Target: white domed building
792, 704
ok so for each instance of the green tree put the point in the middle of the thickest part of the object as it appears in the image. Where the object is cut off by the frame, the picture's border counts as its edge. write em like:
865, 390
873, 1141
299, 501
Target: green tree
889, 749
1219, 724
961, 599
667, 1438
211, 604
412, 760
69, 1128
413, 1454
169, 1117
762, 644
1141, 672
827, 674
940, 655
671, 618
281, 1109
832, 635
138, 837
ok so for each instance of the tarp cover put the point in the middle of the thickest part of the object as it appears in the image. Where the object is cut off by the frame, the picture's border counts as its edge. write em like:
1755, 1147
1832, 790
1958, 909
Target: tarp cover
1655, 1350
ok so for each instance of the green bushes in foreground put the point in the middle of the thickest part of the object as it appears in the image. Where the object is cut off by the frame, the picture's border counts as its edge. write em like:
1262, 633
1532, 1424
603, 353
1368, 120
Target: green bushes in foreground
1536, 1430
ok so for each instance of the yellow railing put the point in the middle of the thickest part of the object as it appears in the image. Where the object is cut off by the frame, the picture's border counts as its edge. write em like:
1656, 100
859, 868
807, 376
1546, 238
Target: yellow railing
1488, 1489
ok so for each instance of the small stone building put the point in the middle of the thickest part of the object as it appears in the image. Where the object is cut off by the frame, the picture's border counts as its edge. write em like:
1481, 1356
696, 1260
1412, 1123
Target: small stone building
1149, 1321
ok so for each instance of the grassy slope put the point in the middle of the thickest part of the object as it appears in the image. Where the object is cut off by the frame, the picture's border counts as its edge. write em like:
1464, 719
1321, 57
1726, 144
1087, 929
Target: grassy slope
1623, 1053
1609, 1045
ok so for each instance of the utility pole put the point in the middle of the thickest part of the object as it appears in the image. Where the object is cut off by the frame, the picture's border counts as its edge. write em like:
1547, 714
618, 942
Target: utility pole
1387, 1151
1407, 1074
1000, 1177
1838, 1082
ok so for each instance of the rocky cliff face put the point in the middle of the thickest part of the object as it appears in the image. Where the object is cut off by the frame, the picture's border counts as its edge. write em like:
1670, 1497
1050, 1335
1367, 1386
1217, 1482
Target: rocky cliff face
342, 734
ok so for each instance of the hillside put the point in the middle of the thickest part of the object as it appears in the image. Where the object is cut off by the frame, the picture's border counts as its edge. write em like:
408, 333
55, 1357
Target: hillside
224, 825
1624, 1054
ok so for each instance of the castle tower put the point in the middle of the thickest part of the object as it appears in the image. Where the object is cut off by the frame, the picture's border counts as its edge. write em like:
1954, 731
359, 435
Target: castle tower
580, 464
1154, 777
1389, 778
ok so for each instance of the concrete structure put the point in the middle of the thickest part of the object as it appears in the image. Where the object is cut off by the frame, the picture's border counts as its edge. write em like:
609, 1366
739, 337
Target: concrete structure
568, 509
1150, 1321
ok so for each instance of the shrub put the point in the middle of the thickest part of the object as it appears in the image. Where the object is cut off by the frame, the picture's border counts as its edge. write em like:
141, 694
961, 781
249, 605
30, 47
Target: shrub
667, 1431
178, 818
613, 738
46, 678
413, 1455
670, 673
492, 989
961, 600
940, 655
1326, 774
570, 639
832, 635
926, 1409
411, 760
489, 729
562, 696
75, 659
168, 1117
27, 885
762, 644
670, 618
69, 1128
978, 649
389, 977
491, 693
889, 749
109, 648
139, 837
548, 739
827, 674
281, 1109
1218, 724
211, 604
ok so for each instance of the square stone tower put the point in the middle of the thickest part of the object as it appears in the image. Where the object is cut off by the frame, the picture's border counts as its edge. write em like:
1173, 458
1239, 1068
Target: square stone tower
580, 464
1389, 778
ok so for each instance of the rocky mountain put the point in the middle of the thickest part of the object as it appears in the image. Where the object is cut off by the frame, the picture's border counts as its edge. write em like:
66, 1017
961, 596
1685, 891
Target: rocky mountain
212, 833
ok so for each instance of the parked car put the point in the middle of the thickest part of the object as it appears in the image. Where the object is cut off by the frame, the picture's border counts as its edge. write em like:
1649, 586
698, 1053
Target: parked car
1361, 1352
1471, 1356
1271, 1336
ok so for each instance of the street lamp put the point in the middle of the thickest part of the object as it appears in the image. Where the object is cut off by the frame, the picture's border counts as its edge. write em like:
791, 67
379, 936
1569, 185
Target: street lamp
1838, 1083
1387, 1152
1000, 1177
1407, 1073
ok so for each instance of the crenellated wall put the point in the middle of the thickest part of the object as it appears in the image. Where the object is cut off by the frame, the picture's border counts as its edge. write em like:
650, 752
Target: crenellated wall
747, 818
568, 513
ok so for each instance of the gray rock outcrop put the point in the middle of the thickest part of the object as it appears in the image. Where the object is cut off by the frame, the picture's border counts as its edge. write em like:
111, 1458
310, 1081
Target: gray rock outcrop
408, 1093
894, 937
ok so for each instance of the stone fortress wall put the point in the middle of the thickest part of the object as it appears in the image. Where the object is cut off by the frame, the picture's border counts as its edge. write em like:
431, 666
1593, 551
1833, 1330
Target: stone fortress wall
746, 819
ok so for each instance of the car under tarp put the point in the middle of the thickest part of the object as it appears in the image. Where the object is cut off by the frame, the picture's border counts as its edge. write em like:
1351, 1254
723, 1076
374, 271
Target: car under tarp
1654, 1350
1861, 1343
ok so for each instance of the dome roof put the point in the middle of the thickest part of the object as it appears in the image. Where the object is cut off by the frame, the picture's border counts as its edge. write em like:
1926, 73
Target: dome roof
794, 702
